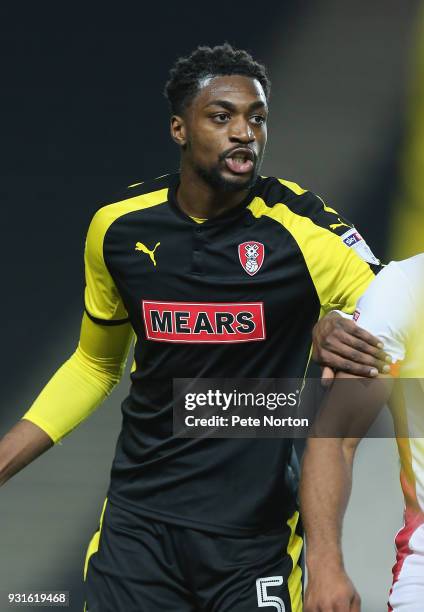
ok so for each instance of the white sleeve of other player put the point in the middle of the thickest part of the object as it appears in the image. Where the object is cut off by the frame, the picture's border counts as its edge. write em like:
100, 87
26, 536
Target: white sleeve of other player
386, 309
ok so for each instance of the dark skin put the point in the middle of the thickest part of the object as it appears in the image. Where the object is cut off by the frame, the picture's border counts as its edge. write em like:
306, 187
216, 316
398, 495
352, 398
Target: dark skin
20, 446
228, 113
341, 345
344, 418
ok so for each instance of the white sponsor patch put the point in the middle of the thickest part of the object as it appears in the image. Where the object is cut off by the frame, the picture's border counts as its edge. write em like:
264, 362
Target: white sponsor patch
353, 239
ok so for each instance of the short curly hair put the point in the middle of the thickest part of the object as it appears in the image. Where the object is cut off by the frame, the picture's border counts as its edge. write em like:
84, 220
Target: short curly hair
186, 74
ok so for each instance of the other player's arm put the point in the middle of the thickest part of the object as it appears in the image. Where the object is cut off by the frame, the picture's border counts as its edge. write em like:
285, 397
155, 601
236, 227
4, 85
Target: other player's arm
387, 310
325, 490
326, 482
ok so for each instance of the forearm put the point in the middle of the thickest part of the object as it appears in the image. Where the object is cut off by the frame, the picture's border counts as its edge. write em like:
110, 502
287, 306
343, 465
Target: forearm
20, 446
68, 398
325, 490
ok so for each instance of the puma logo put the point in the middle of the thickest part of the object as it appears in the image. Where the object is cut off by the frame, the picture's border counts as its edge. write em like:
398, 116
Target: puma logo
142, 247
334, 226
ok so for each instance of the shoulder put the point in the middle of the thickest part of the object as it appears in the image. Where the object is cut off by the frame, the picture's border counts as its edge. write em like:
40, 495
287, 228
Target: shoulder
138, 196
145, 188
276, 190
300, 201
296, 207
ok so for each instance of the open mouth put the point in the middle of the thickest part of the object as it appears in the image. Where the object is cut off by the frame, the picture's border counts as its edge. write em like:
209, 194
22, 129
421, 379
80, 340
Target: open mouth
240, 161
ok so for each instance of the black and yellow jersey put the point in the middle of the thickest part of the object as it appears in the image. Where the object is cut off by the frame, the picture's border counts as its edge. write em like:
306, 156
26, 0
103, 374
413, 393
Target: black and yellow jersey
234, 296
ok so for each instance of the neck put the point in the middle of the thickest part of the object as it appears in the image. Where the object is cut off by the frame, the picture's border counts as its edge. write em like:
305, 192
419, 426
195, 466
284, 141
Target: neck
197, 198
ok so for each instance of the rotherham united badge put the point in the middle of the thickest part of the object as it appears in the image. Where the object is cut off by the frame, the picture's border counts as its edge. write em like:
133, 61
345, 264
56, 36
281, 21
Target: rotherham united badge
251, 255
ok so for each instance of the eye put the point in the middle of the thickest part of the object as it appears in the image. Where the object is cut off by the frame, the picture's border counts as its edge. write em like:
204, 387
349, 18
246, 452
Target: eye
258, 119
221, 117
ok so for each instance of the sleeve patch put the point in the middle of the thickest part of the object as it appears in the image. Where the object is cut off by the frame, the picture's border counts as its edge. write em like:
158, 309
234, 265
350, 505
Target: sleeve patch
353, 239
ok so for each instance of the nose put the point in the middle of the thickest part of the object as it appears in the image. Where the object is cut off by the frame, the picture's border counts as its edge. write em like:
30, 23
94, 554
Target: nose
242, 132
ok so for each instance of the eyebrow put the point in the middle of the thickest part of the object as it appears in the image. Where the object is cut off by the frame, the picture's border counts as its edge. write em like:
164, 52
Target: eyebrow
232, 107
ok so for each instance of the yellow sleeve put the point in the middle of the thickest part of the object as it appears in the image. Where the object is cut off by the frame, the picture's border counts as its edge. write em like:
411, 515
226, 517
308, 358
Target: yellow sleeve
96, 366
102, 300
84, 380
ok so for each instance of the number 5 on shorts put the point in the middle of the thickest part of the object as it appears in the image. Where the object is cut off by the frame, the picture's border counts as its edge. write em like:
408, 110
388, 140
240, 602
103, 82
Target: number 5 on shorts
265, 600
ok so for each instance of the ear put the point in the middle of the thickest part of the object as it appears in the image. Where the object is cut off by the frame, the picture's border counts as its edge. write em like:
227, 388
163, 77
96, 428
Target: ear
178, 130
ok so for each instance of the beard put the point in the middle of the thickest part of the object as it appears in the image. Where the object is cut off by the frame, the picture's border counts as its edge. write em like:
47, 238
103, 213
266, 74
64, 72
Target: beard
214, 178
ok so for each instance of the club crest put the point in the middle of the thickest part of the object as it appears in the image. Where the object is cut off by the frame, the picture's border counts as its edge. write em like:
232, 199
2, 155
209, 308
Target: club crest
251, 255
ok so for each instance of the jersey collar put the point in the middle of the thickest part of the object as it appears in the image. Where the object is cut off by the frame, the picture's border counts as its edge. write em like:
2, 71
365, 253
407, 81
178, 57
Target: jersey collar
224, 218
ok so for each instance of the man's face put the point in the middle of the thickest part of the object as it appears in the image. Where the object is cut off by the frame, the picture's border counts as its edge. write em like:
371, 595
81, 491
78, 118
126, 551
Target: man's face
225, 131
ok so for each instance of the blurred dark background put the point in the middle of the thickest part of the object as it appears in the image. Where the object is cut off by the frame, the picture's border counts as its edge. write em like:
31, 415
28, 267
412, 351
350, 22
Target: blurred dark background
83, 115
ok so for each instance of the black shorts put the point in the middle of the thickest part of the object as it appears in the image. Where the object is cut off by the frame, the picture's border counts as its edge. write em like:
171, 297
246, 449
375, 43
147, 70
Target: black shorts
136, 564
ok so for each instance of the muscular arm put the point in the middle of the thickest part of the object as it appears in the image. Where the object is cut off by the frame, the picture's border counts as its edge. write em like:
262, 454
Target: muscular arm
387, 310
71, 395
325, 490
326, 483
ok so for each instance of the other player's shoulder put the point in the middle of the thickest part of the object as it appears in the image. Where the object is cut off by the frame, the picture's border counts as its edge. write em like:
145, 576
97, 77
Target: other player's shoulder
396, 288
398, 276
412, 268
391, 306
403, 281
